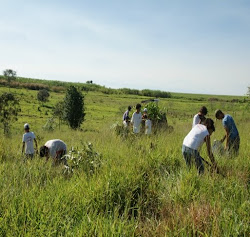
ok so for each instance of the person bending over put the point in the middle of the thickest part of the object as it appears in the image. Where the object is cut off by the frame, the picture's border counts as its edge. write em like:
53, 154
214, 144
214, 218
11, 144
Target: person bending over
55, 149
232, 136
199, 134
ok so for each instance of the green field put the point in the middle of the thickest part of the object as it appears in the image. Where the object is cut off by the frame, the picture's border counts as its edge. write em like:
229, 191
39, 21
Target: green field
142, 187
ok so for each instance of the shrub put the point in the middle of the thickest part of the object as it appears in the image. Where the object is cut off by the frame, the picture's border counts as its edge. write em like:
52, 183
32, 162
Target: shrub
43, 95
86, 159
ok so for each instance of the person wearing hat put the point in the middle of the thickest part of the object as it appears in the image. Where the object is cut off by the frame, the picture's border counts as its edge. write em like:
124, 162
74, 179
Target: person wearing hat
145, 113
232, 136
200, 117
28, 145
55, 149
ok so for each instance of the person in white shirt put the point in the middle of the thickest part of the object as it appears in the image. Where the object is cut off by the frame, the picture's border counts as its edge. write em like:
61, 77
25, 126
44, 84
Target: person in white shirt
136, 119
28, 145
193, 141
55, 149
148, 125
200, 117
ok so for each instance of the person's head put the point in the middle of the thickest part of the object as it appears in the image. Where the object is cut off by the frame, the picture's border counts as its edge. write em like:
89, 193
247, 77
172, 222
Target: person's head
26, 127
138, 107
203, 110
129, 108
43, 151
209, 123
145, 110
219, 114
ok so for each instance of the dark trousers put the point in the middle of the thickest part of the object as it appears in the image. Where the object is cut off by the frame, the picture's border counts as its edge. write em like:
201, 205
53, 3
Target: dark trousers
193, 156
234, 146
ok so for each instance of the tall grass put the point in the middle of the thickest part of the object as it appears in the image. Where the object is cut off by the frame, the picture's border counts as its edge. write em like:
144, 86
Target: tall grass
142, 187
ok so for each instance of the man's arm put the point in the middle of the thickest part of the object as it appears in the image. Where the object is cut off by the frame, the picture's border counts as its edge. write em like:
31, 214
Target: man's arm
209, 151
223, 139
227, 137
23, 147
36, 145
132, 119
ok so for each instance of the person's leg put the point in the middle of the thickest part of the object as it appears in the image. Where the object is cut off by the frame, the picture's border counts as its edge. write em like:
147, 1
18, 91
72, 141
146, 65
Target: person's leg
199, 163
233, 147
186, 155
63, 159
236, 146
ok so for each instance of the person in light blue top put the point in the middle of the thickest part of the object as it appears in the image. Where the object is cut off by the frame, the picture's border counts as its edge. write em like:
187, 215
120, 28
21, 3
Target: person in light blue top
232, 136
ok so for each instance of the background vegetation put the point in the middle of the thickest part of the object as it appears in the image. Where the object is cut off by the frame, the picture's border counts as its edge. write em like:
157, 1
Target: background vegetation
140, 187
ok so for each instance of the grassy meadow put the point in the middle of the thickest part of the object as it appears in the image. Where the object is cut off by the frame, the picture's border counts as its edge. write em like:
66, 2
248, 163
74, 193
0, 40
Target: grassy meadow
142, 187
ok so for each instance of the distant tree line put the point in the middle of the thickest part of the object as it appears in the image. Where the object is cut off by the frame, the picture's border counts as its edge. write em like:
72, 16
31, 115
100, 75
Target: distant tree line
57, 86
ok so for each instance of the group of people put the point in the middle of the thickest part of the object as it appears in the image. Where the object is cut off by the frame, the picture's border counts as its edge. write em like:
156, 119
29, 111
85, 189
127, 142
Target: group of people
201, 131
138, 119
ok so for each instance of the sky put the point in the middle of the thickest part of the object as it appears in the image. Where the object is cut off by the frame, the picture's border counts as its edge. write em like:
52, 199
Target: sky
178, 46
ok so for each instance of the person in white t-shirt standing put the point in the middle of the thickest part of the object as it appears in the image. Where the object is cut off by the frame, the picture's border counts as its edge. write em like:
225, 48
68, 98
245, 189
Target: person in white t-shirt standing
136, 119
193, 141
55, 149
28, 145
200, 117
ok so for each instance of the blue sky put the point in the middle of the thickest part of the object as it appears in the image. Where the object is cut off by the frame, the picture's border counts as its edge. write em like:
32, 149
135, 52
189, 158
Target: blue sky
179, 46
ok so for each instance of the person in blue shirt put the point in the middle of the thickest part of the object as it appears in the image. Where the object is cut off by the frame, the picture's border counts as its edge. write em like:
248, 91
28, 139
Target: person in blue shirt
232, 136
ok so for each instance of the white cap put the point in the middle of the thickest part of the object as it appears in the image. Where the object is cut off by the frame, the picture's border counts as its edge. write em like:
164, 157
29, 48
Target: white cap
26, 126
145, 110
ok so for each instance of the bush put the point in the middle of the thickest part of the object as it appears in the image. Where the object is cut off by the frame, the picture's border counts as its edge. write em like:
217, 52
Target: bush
86, 159
43, 95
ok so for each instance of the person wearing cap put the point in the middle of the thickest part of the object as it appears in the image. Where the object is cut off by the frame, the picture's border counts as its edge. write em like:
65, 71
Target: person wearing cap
200, 117
55, 149
145, 113
199, 134
136, 119
232, 136
126, 114
28, 145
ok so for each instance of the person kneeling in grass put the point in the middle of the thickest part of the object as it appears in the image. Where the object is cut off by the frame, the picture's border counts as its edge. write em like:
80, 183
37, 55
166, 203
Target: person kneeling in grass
232, 136
193, 141
55, 149
28, 138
